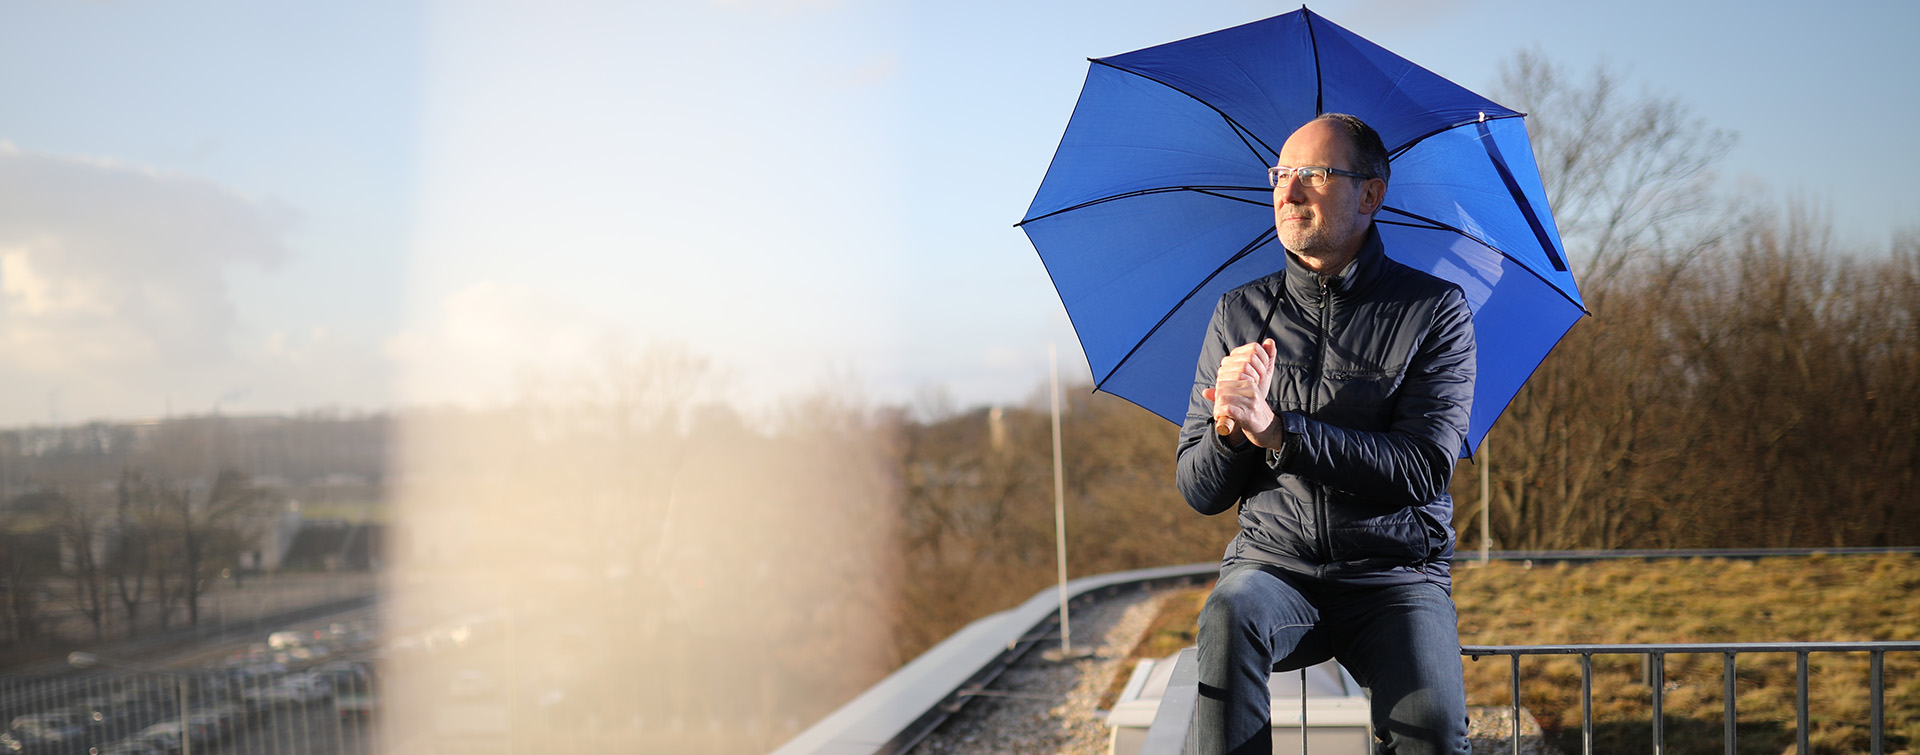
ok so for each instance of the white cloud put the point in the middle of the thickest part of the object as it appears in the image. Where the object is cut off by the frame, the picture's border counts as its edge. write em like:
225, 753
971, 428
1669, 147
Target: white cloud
125, 265
113, 290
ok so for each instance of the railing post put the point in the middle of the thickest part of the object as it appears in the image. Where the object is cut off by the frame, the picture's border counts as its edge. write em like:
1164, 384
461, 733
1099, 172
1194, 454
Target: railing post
1586, 703
1657, 678
1654, 674
1800, 700
1733, 729
1879, 712
1514, 673
1303, 710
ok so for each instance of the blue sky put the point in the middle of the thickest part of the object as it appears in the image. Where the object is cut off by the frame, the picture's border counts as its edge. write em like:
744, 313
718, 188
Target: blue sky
276, 206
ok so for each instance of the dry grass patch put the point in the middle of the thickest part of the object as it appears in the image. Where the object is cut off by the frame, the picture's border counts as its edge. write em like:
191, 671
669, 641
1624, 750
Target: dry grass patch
1810, 599
1172, 629
1788, 599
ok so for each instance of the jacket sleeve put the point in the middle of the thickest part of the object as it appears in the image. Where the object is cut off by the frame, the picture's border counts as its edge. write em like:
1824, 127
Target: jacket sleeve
1211, 474
1411, 463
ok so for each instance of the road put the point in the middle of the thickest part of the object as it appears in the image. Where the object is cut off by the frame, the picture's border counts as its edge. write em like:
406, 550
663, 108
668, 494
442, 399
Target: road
128, 700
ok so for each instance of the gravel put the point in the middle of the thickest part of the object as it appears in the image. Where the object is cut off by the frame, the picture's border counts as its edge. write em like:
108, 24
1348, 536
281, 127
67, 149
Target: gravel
1042, 706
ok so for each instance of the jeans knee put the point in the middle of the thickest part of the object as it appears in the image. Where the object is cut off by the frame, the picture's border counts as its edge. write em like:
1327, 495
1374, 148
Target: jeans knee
1426, 720
1223, 617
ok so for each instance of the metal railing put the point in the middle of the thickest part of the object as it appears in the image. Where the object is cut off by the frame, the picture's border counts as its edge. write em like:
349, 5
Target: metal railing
191, 712
1168, 734
1656, 679
896, 713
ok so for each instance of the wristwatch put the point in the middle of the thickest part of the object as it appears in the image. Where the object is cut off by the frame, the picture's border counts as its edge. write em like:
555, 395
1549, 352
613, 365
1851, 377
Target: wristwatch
1276, 457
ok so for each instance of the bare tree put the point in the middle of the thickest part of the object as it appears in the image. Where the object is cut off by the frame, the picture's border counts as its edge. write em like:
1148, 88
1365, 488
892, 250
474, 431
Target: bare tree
977, 527
1628, 176
164, 546
208, 530
27, 559
1762, 394
130, 561
79, 528
1629, 180
1801, 363
976, 518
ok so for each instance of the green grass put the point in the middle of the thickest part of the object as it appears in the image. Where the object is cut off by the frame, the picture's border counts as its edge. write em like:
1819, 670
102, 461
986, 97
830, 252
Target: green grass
1810, 599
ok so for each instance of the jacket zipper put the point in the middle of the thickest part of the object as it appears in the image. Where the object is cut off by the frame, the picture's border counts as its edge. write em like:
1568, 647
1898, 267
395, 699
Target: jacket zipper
1313, 406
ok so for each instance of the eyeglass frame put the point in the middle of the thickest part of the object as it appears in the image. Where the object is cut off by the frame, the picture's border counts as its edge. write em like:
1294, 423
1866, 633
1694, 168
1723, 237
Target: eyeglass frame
1293, 173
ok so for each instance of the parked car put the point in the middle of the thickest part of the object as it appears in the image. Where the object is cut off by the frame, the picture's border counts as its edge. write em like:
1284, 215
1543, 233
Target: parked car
131, 746
106, 720
45, 731
353, 687
317, 687
143, 702
296, 689
286, 639
246, 670
228, 717
166, 734
16, 742
162, 738
217, 728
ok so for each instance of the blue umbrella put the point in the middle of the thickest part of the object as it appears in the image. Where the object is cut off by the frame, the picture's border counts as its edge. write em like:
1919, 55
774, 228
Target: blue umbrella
1157, 200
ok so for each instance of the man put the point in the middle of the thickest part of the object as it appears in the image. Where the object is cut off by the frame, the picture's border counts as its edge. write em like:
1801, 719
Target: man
1329, 402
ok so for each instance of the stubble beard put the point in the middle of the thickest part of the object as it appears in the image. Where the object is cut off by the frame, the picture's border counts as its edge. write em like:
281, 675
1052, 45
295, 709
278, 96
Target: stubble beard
1324, 248
1306, 235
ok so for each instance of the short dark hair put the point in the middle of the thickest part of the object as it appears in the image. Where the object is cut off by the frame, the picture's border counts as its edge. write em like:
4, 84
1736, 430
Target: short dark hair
1369, 151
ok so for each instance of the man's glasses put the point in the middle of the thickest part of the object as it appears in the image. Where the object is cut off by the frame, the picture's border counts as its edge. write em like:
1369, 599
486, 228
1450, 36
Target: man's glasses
1311, 176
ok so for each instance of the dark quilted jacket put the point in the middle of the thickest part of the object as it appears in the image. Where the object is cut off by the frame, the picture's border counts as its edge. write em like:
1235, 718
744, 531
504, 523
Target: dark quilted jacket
1373, 383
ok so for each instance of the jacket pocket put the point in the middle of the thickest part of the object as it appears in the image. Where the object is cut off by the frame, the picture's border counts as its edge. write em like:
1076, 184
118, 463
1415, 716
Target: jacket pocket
1403, 536
1359, 399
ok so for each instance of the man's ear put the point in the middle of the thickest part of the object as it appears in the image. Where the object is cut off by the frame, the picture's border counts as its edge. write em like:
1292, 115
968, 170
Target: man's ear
1373, 193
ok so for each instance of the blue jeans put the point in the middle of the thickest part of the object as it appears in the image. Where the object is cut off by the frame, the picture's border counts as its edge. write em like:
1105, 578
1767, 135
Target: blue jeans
1402, 643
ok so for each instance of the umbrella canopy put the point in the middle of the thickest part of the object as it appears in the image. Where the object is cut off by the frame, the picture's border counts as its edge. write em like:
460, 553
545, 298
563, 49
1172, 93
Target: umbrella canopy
1157, 201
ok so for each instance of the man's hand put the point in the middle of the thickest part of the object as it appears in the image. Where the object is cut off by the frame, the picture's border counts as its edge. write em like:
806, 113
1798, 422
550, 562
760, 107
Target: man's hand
1239, 394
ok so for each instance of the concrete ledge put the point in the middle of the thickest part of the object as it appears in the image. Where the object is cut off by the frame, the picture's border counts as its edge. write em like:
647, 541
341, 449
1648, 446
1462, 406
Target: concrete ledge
895, 713
1153, 714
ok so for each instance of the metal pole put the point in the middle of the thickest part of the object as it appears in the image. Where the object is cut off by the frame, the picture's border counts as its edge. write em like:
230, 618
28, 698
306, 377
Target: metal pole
1800, 702
1879, 706
1513, 676
1586, 704
186, 731
1486, 506
1059, 500
1658, 680
1732, 706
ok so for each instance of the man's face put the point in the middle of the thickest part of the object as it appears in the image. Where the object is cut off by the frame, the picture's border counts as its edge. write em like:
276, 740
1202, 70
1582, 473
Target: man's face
1329, 221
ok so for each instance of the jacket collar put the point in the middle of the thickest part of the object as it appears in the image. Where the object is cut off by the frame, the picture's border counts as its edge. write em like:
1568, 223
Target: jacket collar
1303, 283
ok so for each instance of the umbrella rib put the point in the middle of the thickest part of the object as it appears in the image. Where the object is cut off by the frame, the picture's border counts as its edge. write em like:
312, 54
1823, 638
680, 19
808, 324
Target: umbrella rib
1212, 191
1520, 197
1244, 136
1319, 81
1402, 149
1259, 241
1435, 225
1243, 132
